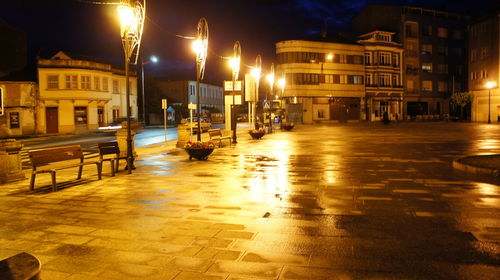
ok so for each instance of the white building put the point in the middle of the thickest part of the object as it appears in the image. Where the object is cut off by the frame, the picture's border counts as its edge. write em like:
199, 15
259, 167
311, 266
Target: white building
78, 94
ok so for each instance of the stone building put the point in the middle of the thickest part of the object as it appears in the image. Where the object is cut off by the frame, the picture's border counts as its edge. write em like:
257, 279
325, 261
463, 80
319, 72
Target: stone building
435, 52
324, 80
383, 75
19, 108
78, 94
484, 67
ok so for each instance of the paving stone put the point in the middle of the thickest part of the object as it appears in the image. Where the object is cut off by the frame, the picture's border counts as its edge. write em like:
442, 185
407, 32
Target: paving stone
247, 269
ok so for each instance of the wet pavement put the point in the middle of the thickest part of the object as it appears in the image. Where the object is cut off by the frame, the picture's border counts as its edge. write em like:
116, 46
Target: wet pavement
353, 201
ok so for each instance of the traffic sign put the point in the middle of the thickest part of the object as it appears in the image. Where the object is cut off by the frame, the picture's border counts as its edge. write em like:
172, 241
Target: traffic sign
191, 106
228, 86
164, 104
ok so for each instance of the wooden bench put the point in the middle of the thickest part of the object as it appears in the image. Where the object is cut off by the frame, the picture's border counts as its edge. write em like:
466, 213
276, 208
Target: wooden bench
110, 148
42, 157
22, 266
216, 134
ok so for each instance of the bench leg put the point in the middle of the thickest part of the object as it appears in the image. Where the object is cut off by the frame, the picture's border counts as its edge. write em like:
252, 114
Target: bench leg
32, 181
112, 162
80, 169
117, 164
99, 170
53, 175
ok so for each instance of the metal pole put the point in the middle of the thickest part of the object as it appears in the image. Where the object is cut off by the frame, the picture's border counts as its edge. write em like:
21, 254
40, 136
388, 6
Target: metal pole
130, 156
489, 105
198, 107
165, 121
143, 100
233, 114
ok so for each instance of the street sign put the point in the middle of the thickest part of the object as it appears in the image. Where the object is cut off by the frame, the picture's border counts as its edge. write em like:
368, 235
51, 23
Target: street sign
164, 104
191, 106
1, 101
266, 105
228, 86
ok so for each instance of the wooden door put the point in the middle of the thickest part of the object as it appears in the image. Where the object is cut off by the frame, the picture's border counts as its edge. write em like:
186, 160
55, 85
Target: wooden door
100, 116
52, 119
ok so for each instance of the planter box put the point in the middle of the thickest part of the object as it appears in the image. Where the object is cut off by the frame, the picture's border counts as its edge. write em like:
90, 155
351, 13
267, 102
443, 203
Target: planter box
288, 127
256, 135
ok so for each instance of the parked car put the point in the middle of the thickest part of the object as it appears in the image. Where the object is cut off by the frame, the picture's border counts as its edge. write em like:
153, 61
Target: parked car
118, 123
205, 124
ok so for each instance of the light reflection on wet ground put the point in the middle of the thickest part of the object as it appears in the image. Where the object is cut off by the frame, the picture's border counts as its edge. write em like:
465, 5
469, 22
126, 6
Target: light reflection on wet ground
352, 201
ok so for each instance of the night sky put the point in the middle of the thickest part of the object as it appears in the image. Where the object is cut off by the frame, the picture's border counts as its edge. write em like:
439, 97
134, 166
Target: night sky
89, 28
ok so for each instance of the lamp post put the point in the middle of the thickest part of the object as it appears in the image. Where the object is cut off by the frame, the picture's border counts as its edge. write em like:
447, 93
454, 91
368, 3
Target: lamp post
152, 59
270, 79
281, 84
234, 63
256, 72
131, 26
200, 47
489, 86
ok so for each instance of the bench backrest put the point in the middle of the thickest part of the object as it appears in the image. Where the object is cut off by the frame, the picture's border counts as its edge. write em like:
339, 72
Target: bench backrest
214, 132
108, 148
45, 156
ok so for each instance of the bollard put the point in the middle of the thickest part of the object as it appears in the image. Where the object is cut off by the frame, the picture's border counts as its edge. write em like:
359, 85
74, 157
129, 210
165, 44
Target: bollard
10, 161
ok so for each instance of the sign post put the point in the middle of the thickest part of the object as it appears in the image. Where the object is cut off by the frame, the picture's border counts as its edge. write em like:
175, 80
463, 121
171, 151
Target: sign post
164, 107
191, 107
1, 101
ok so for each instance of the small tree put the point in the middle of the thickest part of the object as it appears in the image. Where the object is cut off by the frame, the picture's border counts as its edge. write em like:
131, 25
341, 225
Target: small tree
461, 99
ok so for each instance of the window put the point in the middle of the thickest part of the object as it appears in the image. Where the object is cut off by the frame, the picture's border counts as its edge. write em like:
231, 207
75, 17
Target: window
427, 85
426, 49
105, 83
71, 81
457, 34
484, 53
442, 50
52, 81
80, 115
442, 32
427, 67
443, 68
395, 60
97, 83
442, 86
395, 80
484, 74
385, 80
328, 79
357, 80
411, 30
343, 79
116, 114
368, 79
368, 58
85, 82
116, 88
385, 58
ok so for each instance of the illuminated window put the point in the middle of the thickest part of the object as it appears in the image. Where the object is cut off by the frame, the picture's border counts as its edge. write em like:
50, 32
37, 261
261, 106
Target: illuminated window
80, 115
442, 32
85, 82
97, 83
409, 85
71, 81
105, 83
427, 67
427, 85
116, 88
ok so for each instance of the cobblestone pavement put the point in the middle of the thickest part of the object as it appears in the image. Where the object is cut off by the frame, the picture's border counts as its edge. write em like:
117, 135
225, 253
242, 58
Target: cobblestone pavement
356, 201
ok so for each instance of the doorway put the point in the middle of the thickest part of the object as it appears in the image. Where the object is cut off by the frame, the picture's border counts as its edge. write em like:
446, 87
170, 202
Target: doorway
100, 116
52, 120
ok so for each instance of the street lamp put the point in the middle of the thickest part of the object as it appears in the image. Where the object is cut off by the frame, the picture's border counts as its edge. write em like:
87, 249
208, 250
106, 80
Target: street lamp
152, 59
489, 86
256, 72
234, 63
200, 47
131, 26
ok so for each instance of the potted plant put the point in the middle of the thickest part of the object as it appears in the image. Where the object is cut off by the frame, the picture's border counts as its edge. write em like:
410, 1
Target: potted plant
256, 133
287, 126
199, 150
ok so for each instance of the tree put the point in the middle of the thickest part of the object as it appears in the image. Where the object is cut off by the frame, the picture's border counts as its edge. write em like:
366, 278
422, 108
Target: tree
461, 100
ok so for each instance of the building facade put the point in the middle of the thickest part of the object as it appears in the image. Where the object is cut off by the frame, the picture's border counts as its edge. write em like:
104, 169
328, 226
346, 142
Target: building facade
77, 94
484, 67
324, 81
383, 76
435, 53
19, 111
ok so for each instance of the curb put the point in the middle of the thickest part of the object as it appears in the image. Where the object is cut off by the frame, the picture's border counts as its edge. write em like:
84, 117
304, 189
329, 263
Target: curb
459, 165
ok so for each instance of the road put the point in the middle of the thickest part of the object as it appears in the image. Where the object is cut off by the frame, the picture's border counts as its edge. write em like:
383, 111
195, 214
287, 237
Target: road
89, 142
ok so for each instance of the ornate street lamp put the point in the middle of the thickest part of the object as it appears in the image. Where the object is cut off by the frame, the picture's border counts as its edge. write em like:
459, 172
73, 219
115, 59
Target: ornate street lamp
200, 47
234, 63
132, 15
256, 73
